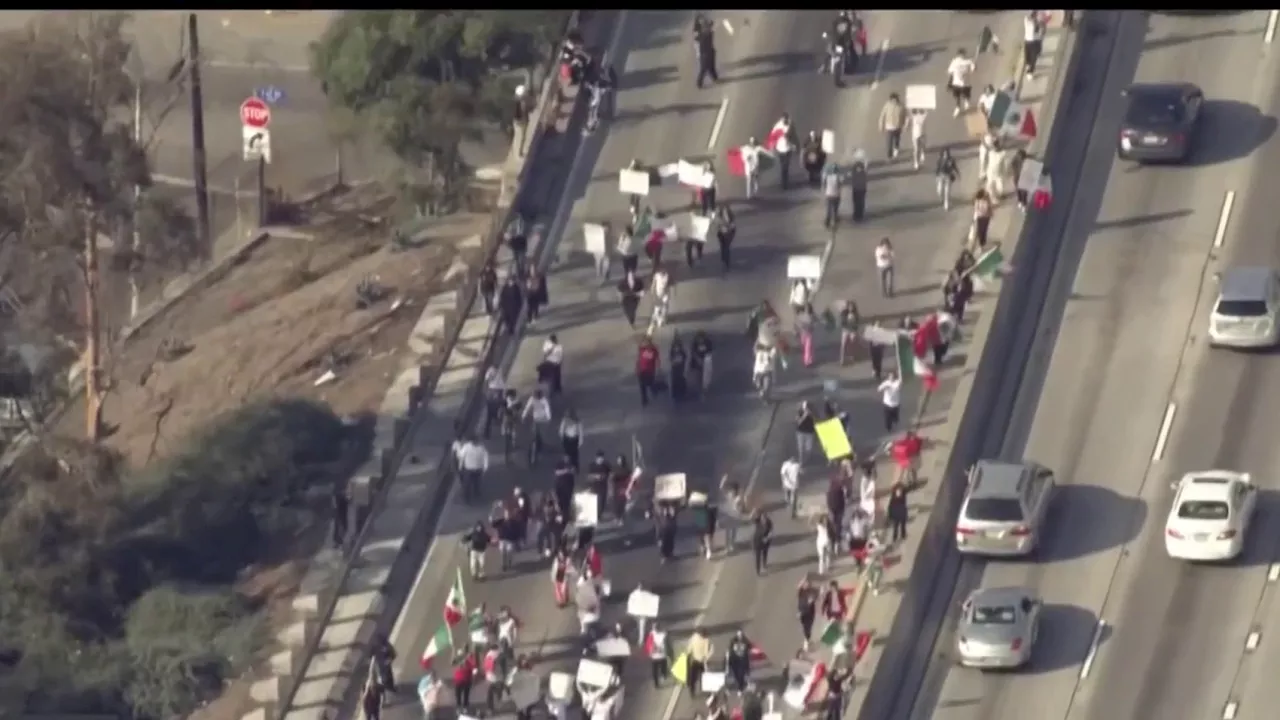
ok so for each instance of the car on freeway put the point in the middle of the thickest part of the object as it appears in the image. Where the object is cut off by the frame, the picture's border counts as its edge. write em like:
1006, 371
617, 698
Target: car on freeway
1005, 508
1210, 516
998, 628
1159, 122
1247, 311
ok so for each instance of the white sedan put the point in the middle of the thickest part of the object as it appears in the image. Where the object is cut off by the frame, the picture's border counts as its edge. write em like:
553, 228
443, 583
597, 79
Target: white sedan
1210, 515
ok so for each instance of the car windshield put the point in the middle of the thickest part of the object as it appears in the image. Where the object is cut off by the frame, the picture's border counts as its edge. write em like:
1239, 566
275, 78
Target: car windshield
1242, 308
1204, 510
994, 510
994, 615
1151, 110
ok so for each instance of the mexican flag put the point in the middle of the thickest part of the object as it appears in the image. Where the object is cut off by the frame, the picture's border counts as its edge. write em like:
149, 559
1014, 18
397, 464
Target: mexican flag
1010, 118
914, 364
455, 606
832, 634
987, 267
803, 684
476, 629
643, 227
778, 140
441, 642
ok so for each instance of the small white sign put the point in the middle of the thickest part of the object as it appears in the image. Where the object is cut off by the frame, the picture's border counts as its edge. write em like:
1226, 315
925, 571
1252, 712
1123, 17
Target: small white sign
697, 227
594, 673
257, 143
560, 686
804, 267
643, 604
829, 142
695, 176
593, 238
633, 182
668, 171
669, 487
615, 647
876, 335
586, 509
922, 97
712, 681
1029, 177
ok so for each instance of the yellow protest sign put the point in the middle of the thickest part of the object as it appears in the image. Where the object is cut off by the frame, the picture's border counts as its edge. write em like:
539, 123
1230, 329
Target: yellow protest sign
680, 668
834, 441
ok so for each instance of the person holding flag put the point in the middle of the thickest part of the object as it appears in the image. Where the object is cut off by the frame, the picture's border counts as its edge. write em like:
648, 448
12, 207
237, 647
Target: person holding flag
782, 141
835, 603
455, 605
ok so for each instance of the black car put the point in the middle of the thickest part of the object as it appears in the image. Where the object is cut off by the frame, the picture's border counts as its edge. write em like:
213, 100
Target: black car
1159, 122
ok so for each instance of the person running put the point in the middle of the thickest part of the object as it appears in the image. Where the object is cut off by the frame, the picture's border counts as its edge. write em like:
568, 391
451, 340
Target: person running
959, 81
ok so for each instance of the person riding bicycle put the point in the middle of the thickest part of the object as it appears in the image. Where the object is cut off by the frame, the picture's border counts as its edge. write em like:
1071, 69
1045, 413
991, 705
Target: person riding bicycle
600, 83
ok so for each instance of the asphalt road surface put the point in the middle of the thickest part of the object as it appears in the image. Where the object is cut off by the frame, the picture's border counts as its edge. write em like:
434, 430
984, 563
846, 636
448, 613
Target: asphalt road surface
1133, 399
767, 68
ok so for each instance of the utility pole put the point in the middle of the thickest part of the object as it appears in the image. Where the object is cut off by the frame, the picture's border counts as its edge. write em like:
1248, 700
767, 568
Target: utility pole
263, 220
93, 328
200, 163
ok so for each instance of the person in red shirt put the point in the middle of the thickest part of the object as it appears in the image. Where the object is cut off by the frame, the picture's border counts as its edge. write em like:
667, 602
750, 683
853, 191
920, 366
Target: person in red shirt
906, 454
464, 675
594, 562
647, 360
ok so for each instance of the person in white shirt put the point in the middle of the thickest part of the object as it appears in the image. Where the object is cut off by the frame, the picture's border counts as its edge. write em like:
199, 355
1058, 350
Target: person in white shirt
959, 74
791, 484
884, 266
799, 295
1033, 27
916, 118
661, 285
762, 370
751, 166
550, 370
994, 172
784, 146
823, 543
891, 399
473, 461
571, 438
987, 100
538, 411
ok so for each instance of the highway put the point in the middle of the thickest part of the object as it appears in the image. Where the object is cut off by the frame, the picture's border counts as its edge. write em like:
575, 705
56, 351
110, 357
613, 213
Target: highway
767, 67
1133, 398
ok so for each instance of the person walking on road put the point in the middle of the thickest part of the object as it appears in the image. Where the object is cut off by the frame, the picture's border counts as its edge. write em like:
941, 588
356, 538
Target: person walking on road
751, 166
657, 647
630, 290
733, 513
571, 438
726, 231
510, 302
959, 81
478, 541
704, 44
464, 677
982, 209
627, 252
806, 431
371, 700
537, 411
790, 473
1033, 29
834, 605
946, 173
761, 539
850, 325
473, 462
488, 284
699, 651
893, 117
551, 369
897, 513
677, 365
916, 119
806, 610
737, 660
891, 400
875, 353
859, 531
805, 321
884, 266
857, 178
785, 147
647, 361
700, 363
831, 192
815, 158
824, 542
666, 529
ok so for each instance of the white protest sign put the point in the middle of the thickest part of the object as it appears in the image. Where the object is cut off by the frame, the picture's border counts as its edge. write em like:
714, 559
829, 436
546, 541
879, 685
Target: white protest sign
828, 142
712, 681
633, 182
1029, 177
586, 509
643, 604
464, 716
593, 238
876, 335
669, 487
696, 227
560, 686
614, 647
694, 175
804, 267
594, 673
669, 170
922, 97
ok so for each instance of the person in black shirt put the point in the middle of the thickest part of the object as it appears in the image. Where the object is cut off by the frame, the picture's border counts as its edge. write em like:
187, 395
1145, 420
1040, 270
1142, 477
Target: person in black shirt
371, 701
761, 538
383, 657
630, 290
700, 362
726, 231
806, 609
836, 681
679, 360
705, 45
341, 514
805, 431
738, 660
510, 303
489, 287
564, 485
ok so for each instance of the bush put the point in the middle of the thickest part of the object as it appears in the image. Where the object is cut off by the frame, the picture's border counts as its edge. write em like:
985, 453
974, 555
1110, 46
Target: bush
117, 589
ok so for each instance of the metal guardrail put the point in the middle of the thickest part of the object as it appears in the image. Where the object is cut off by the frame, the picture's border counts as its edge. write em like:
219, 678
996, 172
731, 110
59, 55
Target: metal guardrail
470, 293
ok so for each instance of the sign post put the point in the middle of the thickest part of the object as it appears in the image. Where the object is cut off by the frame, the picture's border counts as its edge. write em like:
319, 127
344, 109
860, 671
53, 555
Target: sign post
255, 121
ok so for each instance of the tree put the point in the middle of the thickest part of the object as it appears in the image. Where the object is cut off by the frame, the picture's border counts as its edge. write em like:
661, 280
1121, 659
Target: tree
426, 80
70, 164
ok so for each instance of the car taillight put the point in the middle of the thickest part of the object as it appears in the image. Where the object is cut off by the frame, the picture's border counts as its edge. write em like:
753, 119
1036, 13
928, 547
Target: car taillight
1226, 534
1016, 645
965, 531
1020, 531
1173, 534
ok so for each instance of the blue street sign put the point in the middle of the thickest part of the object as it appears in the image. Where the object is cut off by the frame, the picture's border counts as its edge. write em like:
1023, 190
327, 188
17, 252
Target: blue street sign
269, 94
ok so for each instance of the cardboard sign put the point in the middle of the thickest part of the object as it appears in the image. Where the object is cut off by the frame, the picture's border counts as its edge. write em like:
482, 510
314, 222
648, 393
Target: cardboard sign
593, 238
695, 176
696, 227
668, 171
633, 182
669, 487
922, 97
876, 335
832, 437
1029, 178
614, 647
594, 673
560, 686
804, 267
586, 509
828, 142
643, 604
712, 681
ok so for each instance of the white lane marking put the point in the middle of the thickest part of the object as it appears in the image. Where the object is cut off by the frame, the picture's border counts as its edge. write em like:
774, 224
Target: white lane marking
1229, 712
1271, 27
1251, 642
1273, 572
715, 129
884, 50
1228, 202
1093, 649
1165, 427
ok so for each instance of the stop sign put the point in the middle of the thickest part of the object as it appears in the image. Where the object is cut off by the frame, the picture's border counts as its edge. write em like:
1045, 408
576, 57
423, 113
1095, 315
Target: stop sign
254, 113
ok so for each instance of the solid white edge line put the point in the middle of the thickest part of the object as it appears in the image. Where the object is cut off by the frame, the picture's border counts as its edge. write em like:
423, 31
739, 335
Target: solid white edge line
884, 50
1165, 427
1273, 573
719, 123
1251, 642
1229, 712
1093, 649
1220, 235
1271, 27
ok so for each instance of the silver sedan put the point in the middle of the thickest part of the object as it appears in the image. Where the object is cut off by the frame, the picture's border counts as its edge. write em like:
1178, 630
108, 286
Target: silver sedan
998, 628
